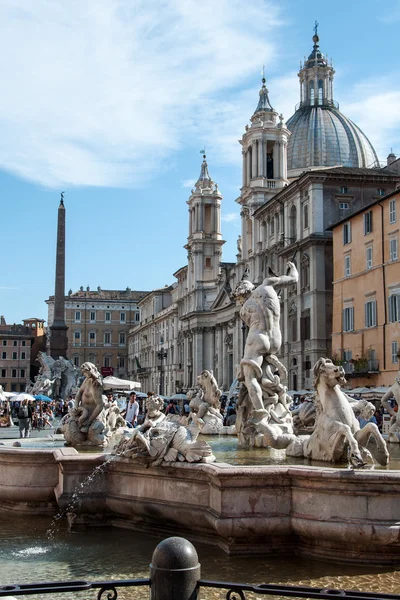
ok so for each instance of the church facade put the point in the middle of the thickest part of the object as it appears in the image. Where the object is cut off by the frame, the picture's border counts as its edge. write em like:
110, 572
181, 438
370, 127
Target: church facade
298, 178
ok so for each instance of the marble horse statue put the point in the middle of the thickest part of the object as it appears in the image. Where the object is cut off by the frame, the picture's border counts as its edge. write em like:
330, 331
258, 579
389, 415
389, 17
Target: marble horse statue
337, 431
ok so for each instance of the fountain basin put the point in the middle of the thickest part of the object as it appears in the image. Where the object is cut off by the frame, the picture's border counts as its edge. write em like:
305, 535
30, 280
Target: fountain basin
336, 514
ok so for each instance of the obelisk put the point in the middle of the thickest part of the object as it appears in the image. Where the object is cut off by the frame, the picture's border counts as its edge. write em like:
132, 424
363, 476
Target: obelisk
58, 336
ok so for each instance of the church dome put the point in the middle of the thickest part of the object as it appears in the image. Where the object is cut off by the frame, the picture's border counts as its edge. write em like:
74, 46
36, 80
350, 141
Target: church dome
321, 135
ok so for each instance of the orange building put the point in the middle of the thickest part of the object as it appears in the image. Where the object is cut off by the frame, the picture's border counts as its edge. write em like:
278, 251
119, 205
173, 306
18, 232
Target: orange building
366, 292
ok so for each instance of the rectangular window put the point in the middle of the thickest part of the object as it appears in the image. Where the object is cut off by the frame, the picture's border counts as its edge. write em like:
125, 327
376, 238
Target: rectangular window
23, 343
15, 343
22, 372
77, 338
92, 316
107, 340
137, 317
122, 339
122, 362
394, 308
108, 317
208, 262
347, 266
369, 257
23, 355
4, 355
92, 338
393, 249
77, 316
346, 233
122, 317
4, 373
344, 206
305, 213
76, 361
4, 342
392, 211
395, 349
14, 355
370, 313
107, 361
348, 319
13, 372
368, 222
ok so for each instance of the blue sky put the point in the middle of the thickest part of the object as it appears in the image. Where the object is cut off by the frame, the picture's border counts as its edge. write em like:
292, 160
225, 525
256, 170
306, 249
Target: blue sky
111, 101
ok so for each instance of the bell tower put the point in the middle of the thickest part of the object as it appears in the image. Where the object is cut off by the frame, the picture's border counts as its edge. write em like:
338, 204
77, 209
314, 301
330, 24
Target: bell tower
205, 237
264, 171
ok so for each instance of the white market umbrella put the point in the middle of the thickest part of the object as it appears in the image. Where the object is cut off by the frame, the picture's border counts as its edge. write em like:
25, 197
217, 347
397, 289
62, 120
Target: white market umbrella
114, 383
10, 395
23, 396
380, 390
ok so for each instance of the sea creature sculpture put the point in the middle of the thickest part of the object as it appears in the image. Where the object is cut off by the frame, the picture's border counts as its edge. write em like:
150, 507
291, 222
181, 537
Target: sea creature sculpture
163, 440
337, 431
205, 405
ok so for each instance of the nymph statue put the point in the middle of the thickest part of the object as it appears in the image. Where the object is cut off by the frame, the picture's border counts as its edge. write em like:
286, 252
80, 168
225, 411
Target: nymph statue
86, 424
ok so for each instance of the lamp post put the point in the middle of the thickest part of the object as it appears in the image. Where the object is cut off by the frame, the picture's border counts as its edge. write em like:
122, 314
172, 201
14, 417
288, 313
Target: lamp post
161, 355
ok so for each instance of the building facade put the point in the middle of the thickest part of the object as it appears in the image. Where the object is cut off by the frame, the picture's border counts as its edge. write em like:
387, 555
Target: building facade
152, 343
366, 300
15, 356
98, 323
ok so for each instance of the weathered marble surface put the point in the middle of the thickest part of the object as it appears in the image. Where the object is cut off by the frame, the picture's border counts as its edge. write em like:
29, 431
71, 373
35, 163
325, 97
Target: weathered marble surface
205, 405
163, 439
336, 514
337, 431
57, 378
86, 424
394, 429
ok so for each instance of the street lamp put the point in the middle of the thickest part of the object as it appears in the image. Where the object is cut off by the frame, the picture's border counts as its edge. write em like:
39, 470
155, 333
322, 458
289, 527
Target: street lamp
161, 355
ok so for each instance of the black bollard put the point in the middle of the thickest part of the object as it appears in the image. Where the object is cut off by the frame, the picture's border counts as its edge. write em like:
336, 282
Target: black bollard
174, 570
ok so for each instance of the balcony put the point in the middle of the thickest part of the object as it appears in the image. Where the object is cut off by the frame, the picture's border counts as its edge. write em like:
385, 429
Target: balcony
362, 367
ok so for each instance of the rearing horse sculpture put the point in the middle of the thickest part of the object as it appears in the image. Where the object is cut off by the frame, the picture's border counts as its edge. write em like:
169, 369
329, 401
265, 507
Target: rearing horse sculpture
337, 430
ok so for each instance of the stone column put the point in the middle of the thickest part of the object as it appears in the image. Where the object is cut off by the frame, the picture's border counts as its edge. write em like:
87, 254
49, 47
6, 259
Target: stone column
254, 159
260, 158
275, 158
282, 161
248, 170
197, 352
244, 178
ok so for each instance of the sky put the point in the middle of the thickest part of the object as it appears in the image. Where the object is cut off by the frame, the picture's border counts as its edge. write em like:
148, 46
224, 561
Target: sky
111, 101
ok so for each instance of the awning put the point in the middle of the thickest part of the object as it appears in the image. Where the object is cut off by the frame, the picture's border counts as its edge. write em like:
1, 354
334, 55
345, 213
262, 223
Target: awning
114, 383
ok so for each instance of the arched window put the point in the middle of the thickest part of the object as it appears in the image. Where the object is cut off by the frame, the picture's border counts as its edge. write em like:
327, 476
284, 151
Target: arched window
320, 91
92, 338
312, 92
293, 224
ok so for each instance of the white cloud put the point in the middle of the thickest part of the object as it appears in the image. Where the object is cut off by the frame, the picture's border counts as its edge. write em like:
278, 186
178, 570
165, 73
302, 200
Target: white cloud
231, 217
188, 183
99, 93
376, 112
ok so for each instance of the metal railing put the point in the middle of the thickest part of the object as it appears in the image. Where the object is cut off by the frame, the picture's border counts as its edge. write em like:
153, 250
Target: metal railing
175, 574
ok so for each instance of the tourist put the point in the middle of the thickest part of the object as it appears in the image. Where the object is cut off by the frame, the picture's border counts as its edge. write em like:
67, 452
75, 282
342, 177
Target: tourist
132, 410
24, 419
70, 403
171, 409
